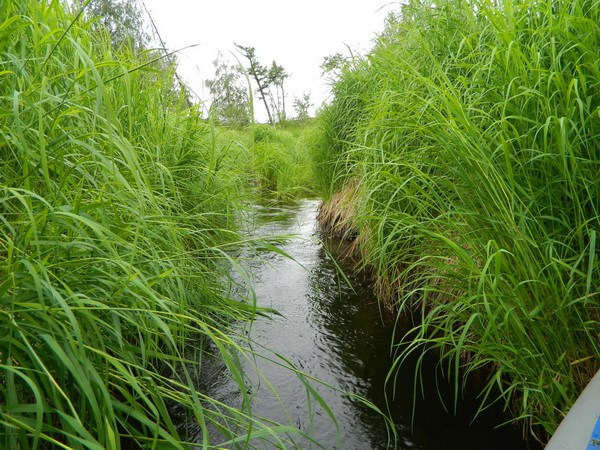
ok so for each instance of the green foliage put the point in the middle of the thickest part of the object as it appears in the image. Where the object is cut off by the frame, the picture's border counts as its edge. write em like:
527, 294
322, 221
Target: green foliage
473, 129
115, 203
342, 122
123, 19
280, 160
230, 100
302, 106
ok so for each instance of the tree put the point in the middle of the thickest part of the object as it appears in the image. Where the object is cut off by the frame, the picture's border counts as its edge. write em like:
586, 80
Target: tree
302, 106
276, 77
334, 65
259, 73
122, 18
125, 22
230, 100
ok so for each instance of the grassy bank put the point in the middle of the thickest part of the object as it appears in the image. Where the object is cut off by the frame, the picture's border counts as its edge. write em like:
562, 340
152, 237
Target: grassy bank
470, 138
116, 203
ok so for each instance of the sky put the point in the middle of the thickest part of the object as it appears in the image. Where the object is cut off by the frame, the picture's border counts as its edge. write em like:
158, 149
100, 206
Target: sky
296, 34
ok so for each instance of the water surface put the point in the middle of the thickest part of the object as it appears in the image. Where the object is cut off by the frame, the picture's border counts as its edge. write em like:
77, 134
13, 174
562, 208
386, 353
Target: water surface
336, 333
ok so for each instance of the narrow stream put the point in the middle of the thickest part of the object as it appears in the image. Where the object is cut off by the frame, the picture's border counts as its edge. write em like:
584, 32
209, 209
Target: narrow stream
335, 333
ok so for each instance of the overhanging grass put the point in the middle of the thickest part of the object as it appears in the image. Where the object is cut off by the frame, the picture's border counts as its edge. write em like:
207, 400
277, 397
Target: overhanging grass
115, 203
475, 134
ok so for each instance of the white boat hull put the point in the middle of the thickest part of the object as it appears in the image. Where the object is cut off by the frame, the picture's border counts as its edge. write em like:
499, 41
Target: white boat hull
580, 429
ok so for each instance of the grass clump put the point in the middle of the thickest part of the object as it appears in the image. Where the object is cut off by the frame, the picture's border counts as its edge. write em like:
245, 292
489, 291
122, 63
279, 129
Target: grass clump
115, 203
279, 160
473, 130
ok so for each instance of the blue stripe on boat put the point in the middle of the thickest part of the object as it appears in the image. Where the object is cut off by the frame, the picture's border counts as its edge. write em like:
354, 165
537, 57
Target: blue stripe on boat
594, 443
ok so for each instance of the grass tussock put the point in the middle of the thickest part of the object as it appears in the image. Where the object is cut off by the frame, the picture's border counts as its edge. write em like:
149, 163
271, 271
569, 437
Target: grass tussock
115, 204
278, 159
473, 129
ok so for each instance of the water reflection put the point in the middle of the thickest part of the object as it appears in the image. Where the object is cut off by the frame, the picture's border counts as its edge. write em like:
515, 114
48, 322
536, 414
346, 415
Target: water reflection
334, 333
354, 343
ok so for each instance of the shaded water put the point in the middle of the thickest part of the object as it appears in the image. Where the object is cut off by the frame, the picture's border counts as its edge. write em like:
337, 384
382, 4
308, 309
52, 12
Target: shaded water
335, 333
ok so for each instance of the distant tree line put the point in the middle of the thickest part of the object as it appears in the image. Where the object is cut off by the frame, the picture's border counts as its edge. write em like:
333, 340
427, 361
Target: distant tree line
231, 96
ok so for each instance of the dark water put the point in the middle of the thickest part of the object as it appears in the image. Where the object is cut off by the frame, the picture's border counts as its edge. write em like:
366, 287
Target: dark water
336, 334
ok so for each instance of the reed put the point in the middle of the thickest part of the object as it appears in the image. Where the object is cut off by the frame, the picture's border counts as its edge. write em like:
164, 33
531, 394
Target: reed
116, 204
476, 143
279, 161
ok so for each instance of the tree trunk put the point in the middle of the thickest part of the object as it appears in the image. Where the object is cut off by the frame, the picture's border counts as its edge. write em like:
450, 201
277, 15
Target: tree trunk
283, 102
264, 97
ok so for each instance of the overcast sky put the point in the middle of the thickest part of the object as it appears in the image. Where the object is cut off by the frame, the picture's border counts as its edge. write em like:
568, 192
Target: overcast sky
296, 34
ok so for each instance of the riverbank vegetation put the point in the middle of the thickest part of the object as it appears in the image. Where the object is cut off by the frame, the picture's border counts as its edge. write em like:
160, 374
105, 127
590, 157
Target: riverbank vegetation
460, 157
276, 157
468, 140
116, 206
279, 161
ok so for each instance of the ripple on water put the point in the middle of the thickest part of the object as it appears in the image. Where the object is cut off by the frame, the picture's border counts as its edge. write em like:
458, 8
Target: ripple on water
334, 332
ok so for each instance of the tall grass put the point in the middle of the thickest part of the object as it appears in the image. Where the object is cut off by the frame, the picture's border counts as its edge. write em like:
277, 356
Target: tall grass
476, 147
279, 160
115, 205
